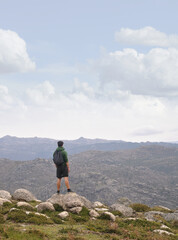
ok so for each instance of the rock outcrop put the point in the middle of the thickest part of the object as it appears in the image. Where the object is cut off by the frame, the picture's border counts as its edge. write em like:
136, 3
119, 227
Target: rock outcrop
24, 195
5, 195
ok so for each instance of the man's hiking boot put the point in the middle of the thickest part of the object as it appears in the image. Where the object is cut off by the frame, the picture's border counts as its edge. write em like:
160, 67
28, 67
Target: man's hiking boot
69, 191
58, 192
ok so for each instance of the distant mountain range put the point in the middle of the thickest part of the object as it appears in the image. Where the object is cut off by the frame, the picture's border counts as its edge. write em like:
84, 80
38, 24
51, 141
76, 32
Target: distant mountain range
146, 174
21, 149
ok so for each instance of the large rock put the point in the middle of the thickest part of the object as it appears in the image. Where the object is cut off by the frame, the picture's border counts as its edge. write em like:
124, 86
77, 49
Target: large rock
24, 195
171, 216
150, 216
70, 200
56, 199
124, 201
45, 206
126, 211
75, 210
5, 195
2, 201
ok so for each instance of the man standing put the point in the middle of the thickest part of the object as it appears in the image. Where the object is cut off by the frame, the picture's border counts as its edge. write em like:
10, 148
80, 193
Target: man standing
63, 169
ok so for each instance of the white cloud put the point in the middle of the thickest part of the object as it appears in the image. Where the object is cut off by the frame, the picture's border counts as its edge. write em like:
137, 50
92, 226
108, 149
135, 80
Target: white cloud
5, 98
147, 36
146, 131
13, 53
41, 93
154, 73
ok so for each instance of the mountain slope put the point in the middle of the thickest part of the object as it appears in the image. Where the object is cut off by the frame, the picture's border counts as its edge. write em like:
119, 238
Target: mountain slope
146, 174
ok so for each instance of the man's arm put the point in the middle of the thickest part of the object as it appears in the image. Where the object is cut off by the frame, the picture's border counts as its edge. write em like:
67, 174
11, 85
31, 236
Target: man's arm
66, 160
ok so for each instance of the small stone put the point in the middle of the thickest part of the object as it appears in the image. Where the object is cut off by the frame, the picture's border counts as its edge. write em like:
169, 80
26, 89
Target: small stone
164, 226
101, 209
112, 217
75, 210
93, 214
2, 201
63, 214
13, 209
45, 206
98, 204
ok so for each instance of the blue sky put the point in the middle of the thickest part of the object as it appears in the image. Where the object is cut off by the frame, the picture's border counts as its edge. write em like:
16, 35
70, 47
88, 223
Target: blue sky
98, 69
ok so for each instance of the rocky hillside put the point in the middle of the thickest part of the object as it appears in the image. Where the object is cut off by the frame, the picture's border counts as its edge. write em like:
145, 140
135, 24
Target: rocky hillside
73, 217
146, 174
30, 148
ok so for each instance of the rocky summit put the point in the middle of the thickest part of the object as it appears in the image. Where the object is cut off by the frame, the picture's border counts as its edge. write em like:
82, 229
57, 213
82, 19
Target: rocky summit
72, 216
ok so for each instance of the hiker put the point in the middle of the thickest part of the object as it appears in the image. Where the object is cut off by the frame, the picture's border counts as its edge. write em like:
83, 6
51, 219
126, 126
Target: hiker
62, 166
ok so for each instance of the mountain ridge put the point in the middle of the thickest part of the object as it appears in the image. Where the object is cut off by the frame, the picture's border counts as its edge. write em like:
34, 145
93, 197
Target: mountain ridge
15, 148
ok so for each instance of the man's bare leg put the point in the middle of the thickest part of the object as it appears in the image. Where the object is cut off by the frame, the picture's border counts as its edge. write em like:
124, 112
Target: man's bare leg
58, 184
67, 182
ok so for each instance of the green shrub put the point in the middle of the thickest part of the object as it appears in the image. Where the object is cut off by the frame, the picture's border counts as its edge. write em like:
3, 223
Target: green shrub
38, 219
1, 219
68, 230
104, 216
17, 216
139, 207
58, 208
160, 209
117, 213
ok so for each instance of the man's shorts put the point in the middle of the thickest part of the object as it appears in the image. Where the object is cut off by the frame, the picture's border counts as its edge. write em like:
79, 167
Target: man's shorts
62, 171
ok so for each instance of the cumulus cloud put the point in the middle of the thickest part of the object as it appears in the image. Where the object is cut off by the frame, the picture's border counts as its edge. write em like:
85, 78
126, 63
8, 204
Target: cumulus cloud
147, 36
5, 98
153, 73
13, 53
41, 93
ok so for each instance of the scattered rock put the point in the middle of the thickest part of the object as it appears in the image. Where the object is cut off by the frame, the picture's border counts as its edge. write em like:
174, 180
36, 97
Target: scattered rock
93, 214
162, 232
101, 209
171, 216
13, 209
98, 204
150, 216
112, 217
63, 214
5, 195
124, 201
75, 210
126, 211
24, 195
164, 226
2, 201
24, 204
45, 206
167, 216
41, 214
